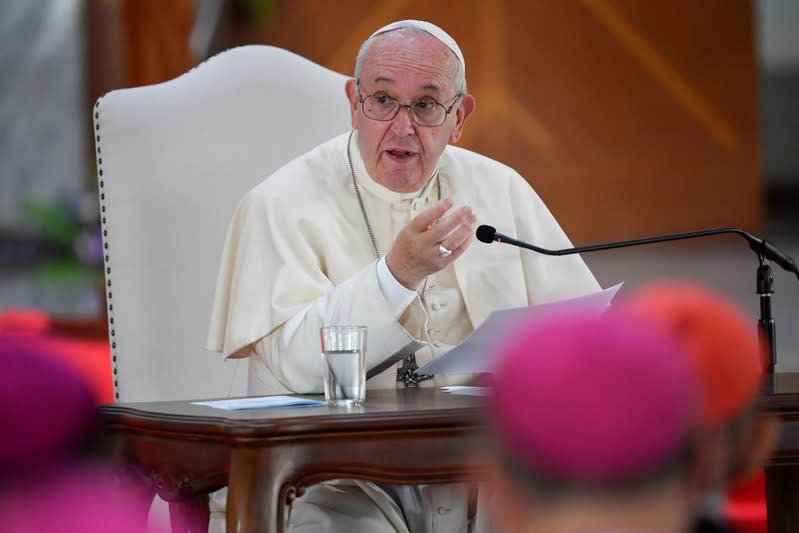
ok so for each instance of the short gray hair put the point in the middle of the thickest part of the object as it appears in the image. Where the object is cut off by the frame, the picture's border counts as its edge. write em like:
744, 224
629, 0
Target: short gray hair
460, 75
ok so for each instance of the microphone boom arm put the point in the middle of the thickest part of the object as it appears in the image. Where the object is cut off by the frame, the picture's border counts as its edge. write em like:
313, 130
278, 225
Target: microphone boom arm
762, 247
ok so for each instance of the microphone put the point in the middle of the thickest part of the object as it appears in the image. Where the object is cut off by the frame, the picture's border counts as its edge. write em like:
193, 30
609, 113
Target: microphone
762, 247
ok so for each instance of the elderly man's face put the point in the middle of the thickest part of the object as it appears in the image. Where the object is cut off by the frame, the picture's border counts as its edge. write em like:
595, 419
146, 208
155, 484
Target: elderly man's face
399, 154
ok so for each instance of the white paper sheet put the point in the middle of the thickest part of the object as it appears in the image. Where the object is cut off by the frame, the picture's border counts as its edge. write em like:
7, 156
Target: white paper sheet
466, 390
260, 402
472, 355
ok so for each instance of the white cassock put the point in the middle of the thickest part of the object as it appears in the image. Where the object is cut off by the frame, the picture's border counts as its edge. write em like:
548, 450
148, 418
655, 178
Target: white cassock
298, 257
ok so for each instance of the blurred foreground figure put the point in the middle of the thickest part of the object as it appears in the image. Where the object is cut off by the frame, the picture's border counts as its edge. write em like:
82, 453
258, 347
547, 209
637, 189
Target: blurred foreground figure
47, 481
734, 439
592, 420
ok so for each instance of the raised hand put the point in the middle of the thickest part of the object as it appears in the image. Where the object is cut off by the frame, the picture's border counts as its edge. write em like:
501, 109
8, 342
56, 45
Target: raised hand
421, 247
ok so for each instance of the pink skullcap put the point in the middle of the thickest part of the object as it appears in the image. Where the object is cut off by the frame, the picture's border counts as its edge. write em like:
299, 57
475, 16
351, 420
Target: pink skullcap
590, 400
721, 340
46, 408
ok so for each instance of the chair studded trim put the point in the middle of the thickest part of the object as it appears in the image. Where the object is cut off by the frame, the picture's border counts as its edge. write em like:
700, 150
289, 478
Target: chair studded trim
106, 255
105, 237
174, 159
102, 191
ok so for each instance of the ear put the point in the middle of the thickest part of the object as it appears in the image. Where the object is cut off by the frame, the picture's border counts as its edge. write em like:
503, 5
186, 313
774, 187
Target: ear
463, 111
756, 451
351, 90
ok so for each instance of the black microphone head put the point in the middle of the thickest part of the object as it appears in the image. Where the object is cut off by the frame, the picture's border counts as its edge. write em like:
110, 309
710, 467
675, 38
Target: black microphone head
486, 233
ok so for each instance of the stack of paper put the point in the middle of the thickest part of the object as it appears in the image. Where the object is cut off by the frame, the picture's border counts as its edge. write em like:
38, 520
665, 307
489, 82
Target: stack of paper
472, 356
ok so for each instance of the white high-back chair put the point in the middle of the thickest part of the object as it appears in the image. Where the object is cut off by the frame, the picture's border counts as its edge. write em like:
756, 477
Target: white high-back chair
173, 161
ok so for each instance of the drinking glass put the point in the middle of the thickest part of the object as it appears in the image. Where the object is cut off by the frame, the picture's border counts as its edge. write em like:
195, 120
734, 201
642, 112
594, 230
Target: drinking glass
344, 364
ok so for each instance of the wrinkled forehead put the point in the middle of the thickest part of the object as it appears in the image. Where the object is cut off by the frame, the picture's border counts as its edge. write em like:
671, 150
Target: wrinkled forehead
398, 53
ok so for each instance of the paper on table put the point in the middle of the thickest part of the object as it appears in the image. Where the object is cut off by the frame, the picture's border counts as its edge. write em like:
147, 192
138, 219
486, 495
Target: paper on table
472, 355
466, 390
260, 402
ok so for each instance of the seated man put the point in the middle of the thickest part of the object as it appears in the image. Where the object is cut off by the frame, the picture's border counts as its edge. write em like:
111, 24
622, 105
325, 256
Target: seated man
735, 440
592, 422
374, 228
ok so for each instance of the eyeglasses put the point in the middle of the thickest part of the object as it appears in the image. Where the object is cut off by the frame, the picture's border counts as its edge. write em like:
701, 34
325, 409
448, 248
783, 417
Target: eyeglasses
424, 111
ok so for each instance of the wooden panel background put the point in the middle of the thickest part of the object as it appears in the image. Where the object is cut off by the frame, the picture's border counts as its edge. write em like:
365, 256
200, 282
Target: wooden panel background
629, 118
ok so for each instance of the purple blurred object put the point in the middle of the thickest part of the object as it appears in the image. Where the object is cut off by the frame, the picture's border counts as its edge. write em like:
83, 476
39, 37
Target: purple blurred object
85, 499
46, 409
591, 400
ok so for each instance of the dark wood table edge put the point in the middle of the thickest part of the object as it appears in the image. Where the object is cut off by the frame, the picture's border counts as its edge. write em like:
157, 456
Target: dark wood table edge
781, 398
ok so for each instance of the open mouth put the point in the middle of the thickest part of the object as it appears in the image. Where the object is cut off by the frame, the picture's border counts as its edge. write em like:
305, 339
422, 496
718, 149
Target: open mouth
400, 155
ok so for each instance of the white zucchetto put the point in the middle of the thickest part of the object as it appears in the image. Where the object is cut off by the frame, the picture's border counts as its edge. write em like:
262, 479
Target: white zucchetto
430, 28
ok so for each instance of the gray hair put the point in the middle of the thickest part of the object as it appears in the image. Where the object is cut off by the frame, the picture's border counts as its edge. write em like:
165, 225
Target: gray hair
460, 75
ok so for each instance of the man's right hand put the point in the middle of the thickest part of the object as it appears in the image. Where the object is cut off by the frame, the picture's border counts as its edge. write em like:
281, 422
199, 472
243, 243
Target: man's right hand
415, 252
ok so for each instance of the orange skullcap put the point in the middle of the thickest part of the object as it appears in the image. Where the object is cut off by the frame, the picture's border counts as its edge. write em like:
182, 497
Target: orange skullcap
719, 337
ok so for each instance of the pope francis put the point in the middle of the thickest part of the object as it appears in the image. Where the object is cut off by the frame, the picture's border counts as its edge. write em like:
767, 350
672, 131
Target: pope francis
374, 228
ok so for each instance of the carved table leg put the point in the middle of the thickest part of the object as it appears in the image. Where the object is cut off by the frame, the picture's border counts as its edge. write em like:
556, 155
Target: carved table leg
254, 501
189, 516
141, 492
782, 498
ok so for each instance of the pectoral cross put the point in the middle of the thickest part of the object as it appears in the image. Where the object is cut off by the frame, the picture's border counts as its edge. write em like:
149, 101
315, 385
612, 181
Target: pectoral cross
407, 372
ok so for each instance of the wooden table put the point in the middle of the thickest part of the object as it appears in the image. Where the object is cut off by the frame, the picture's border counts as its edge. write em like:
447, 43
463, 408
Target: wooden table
268, 457
782, 471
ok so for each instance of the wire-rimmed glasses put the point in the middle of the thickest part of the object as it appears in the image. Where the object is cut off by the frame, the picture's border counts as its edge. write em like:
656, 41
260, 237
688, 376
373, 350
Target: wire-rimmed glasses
424, 111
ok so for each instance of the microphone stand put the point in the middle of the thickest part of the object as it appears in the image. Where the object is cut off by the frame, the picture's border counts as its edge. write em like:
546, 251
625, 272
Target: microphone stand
765, 324
763, 248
